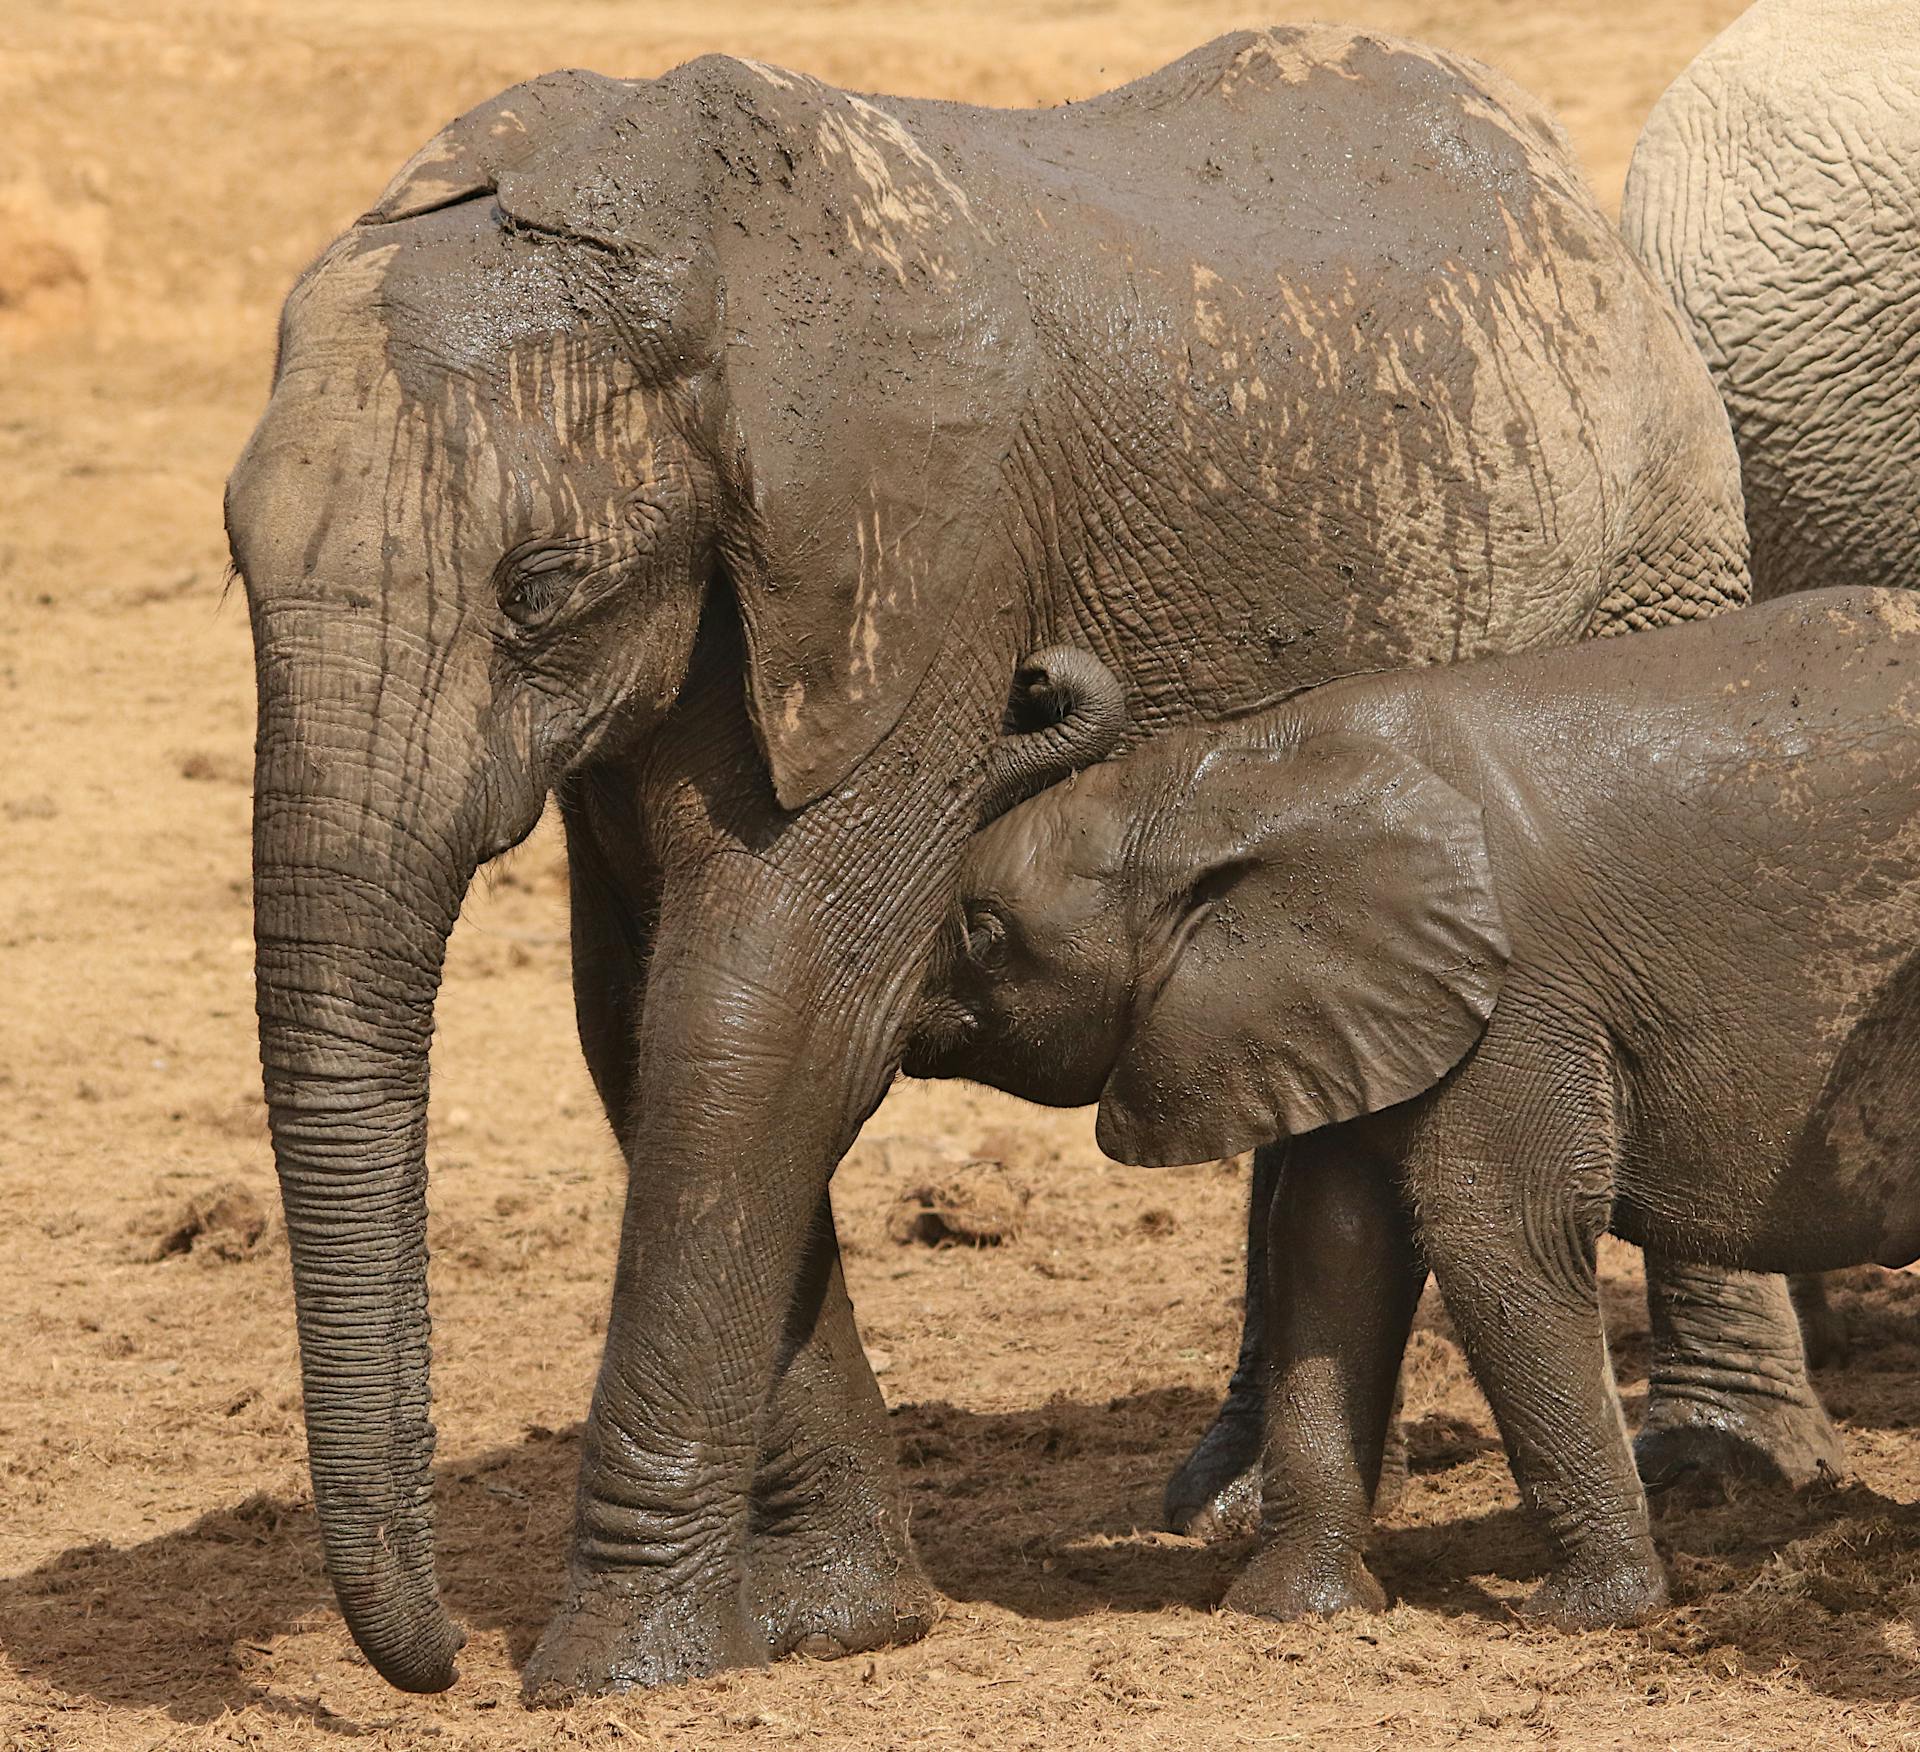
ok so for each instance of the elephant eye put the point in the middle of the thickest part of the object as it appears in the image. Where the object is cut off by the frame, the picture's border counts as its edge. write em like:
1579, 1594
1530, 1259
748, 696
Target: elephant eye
534, 579
986, 937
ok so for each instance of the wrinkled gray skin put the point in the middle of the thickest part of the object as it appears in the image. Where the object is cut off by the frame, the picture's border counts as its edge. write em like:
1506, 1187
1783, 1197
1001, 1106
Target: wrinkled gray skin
1508, 954
1775, 191
707, 450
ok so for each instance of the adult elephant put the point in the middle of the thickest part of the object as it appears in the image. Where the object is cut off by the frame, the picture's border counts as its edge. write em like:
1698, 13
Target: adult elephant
708, 449
1775, 191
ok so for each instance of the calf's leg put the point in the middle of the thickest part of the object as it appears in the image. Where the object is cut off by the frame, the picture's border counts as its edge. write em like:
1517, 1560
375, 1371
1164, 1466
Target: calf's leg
1344, 1279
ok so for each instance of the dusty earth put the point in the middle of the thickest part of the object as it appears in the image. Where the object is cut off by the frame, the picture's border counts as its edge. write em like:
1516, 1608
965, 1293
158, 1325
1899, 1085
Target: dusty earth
164, 171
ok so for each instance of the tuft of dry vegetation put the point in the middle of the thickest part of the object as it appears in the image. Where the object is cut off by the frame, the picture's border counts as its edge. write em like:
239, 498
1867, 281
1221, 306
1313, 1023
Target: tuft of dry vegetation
975, 1204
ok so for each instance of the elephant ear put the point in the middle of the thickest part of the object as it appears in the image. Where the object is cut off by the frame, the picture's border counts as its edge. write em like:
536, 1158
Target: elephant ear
856, 344
1341, 951
878, 359
470, 155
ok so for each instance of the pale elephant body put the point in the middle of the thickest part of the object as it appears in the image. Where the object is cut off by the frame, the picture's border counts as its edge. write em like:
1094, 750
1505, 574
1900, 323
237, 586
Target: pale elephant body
707, 449
1508, 954
1775, 191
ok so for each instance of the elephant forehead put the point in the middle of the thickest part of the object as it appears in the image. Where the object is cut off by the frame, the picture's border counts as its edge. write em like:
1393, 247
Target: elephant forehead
448, 298
1066, 838
462, 292
457, 371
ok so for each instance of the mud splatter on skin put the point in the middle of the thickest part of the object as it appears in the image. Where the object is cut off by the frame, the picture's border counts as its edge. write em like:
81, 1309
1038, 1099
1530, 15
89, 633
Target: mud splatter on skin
1355, 406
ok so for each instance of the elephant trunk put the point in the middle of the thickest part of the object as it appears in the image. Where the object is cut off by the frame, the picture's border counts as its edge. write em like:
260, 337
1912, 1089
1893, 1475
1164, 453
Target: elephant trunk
1067, 711
355, 895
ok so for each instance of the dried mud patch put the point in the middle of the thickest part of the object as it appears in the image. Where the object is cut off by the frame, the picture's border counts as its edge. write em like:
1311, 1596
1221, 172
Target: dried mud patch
224, 1225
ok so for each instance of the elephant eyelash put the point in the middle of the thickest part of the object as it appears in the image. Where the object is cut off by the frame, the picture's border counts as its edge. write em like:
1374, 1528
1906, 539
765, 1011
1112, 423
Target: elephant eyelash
534, 580
986, 938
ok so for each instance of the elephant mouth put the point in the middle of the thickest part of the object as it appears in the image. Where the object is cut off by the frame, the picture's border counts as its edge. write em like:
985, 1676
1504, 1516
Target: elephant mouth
941, 1032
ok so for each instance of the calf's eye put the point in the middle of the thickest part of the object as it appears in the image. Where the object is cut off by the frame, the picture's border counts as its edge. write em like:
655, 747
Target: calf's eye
986, 937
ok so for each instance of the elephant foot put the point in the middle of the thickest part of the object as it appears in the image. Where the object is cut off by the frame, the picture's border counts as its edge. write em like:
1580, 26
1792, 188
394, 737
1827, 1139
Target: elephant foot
827, 1595
1281, 1583
1629, 1592
1728, 1435
1215, 1494
1727, 1387
614, 1633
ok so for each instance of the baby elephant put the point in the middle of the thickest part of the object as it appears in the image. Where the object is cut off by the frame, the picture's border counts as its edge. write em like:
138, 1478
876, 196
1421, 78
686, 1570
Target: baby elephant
1621, 936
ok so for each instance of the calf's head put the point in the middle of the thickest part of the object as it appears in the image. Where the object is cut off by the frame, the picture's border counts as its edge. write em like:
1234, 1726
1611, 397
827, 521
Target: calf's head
1221, 945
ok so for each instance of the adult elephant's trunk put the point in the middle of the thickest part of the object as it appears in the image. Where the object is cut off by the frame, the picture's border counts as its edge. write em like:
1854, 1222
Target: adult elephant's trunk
361, 859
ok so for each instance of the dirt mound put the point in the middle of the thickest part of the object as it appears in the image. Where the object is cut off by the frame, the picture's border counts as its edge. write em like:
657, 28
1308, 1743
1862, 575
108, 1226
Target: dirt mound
226, 1223
977, 1204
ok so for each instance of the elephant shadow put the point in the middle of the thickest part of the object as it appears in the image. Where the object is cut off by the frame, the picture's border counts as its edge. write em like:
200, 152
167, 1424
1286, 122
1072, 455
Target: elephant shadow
172, 1623
1046, 1511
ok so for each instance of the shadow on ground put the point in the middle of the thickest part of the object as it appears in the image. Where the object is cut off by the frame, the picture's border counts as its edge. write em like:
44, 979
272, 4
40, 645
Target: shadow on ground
1048, 1512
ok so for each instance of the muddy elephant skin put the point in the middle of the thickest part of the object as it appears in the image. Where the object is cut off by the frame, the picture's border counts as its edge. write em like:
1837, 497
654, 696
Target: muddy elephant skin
1775, 191
707, 450
1507, 954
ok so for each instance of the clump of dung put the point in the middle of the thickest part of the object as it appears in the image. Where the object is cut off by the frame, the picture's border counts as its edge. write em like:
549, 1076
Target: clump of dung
226, 1223
974, 1204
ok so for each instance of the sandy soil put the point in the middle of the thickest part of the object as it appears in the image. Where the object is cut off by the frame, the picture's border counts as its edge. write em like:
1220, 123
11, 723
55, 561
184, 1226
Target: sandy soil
164, 171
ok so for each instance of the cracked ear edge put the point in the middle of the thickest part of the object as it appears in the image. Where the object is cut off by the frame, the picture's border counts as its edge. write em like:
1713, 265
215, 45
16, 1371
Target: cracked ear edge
470, 154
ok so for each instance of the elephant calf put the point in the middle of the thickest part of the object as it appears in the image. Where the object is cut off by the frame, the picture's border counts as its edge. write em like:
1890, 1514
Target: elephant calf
1513, 952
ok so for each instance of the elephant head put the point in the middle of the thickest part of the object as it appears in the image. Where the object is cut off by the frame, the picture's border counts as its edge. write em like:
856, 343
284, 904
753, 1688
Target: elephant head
1223, 946
567, 387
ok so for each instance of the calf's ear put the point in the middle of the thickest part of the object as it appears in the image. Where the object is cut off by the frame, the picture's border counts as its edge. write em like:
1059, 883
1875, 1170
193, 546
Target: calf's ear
1341, 950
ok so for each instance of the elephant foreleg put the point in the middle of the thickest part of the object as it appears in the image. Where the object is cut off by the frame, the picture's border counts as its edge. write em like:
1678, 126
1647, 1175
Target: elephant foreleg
1344, 1280
829, 1564
1216, 1491
1727, 1387
1215, 1494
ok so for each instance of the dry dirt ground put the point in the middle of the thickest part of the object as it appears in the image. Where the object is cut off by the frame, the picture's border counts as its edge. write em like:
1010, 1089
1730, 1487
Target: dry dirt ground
164, 171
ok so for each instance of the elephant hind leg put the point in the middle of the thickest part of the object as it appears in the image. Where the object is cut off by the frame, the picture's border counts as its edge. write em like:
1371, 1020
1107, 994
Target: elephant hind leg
1727, 1387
